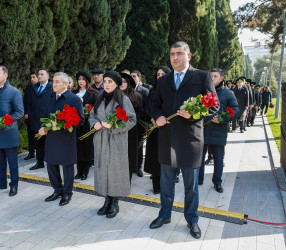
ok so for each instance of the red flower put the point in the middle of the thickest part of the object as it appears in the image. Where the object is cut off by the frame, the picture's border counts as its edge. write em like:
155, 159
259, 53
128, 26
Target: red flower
124, 118
89, 108
121, 114
60, 116
67, 107
230, 110
68, 125
8, 119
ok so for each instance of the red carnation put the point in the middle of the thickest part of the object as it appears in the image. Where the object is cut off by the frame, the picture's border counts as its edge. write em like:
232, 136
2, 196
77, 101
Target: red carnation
67, 107
60, 116
68, 125
124, 118
89, 107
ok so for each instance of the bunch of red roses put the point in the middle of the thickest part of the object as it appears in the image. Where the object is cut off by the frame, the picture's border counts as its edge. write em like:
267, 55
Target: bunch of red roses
87, 109
116, 118
5, 121
209, 100
66, 119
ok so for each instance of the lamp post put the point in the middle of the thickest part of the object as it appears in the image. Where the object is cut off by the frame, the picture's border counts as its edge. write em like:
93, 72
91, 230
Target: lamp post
271, 66
265, 79
262, 79
281, 67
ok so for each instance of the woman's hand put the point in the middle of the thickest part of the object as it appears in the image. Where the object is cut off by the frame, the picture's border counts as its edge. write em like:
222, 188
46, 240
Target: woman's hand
153, 122
97, 126
215, 119
105, 124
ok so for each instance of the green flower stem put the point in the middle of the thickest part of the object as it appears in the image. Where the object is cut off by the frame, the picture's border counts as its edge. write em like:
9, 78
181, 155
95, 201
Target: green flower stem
171, 117
87, 134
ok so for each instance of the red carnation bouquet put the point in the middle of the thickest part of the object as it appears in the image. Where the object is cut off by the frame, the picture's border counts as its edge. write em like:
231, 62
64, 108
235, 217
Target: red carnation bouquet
222, 117
87, 109
66, 119
5, 121
116, 118
195, 106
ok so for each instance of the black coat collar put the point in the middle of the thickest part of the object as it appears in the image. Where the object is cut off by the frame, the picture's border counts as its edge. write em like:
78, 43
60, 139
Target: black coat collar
187, 77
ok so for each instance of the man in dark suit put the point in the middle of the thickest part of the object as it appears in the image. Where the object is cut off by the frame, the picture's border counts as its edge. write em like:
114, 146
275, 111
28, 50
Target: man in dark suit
141, 130
97, 75
180, 140
60, 144
28, 92
38, 103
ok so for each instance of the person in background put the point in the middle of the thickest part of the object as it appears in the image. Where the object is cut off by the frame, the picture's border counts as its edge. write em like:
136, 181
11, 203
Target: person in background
31, 134
111, 166
98, 80
266, 98
11, 103
128, 85
71, 84
84, 147
151, 165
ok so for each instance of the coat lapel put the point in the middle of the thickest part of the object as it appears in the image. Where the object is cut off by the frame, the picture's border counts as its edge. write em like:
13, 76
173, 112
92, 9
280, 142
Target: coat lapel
187, 77
171, 80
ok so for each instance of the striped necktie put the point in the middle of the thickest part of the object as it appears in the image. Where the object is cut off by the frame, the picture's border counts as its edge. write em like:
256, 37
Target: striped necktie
178, 80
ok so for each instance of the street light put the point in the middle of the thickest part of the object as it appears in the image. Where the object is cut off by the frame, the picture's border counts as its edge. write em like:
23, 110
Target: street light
262, 78
266, 70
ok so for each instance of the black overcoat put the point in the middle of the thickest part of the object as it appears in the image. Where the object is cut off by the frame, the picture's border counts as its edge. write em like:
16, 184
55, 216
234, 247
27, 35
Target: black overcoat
85, 147
60, 147
37, 104
181, 142
242, 99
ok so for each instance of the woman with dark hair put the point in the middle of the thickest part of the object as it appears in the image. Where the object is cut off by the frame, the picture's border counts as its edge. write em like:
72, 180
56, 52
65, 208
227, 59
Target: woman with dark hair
111, 171
152, 165
85, 147
128, 85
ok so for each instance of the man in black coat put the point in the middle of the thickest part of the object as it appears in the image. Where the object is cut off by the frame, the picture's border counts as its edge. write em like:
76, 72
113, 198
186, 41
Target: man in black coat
266, 98
38, 103
28, 92
215, 132
180, 140
242, 97
60, 144
141, 130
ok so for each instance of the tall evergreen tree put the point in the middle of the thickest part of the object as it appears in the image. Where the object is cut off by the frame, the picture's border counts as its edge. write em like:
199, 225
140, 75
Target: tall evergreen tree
148, 27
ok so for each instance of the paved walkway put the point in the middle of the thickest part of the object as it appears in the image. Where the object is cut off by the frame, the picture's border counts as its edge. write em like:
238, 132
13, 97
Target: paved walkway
27, 222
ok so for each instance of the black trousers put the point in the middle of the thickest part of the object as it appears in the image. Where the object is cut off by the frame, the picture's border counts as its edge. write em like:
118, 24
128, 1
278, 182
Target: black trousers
40, 148
235, 122
83, 167
31, 138
264, 105
56, 180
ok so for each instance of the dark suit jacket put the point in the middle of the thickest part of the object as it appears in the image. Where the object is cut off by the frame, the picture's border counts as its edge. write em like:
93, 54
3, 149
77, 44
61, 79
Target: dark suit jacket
38, 104
181, 142
60, 146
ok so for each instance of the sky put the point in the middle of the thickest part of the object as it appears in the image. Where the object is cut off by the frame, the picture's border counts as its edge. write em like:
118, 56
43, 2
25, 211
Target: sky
246, 35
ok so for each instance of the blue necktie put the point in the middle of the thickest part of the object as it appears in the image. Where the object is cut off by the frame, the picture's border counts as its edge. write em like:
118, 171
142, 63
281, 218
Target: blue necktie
57, 97
178, 80
40, 90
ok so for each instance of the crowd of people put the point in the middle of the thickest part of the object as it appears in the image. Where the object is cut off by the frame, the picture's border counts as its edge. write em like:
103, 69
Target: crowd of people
178, 146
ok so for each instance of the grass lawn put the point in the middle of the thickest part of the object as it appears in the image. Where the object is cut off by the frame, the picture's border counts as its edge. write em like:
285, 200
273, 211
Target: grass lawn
275, 124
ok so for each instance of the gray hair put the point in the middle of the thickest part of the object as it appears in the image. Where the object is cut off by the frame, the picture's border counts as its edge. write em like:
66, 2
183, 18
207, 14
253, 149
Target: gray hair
64, 76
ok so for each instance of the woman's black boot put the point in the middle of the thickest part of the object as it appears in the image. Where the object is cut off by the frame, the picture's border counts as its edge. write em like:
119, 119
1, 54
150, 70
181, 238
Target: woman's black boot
102, 211
113, 208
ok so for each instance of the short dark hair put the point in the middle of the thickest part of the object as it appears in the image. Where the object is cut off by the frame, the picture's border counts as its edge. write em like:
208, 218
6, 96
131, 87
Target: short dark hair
220, 71
136, 72
45, 70
4, 68
126, 71
33, 73
181, 44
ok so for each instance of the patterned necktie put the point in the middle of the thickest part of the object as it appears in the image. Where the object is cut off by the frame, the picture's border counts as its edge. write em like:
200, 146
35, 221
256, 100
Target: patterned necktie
178, 80
40, 90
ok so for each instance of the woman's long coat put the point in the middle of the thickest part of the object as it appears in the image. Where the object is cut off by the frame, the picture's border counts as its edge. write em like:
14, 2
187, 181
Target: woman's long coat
111, 176
85, 147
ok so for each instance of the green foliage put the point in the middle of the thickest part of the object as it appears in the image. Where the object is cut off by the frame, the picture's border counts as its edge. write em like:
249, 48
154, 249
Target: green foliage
148, 27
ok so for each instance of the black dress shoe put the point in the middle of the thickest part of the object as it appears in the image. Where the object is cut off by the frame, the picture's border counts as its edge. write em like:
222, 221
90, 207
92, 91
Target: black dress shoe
200, 182
177, 179
83, 177
156, 191
195, 230
65, 200
218, 188
78, 176
244, 129
29, 156
104, 208
113, 208
53, 197
140, 173
158, 222
37, 166
3, 187
13, 191
241, 131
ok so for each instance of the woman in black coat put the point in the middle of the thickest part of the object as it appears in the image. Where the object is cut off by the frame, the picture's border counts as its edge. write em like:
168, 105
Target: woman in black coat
128, 85
152, 165
84, 147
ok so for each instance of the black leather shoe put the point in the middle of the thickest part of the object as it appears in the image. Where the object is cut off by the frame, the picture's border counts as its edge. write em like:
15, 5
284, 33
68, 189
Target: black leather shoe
53, 197
78, 176
218, 188
158, 222
177, 179
140, 173
65, 200
29, 156
3, 187
241, 131
37, 166
102, 210
195, 230
113, 208
83, 177
200, 182
244, 129
156, 191
13, 191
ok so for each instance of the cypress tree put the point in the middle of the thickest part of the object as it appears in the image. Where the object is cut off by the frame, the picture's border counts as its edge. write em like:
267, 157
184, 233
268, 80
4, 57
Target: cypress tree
148, 27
